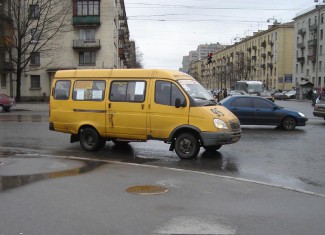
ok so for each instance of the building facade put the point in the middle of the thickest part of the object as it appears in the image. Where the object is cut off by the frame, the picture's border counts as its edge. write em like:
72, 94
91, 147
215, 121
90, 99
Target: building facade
266, 56
6, 37
97, 36
309, 47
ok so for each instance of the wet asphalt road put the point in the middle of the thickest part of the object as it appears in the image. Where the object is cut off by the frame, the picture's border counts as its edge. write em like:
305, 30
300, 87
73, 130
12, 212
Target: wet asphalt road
290, 158
209, 203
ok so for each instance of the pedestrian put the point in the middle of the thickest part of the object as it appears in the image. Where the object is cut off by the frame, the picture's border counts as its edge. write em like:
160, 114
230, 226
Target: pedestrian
313, 98
225, 93
309, 94
220, 95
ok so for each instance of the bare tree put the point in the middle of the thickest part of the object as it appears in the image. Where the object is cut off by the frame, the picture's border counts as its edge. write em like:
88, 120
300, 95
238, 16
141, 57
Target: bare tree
139, 58
37, 26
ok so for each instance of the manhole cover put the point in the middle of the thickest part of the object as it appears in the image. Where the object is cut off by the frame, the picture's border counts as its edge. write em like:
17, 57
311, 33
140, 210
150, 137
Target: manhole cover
147, 189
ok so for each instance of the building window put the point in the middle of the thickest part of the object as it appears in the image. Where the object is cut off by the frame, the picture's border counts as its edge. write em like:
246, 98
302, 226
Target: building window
35, 82
35, 58
321, 34
322, 18
3, 81
320, 49
87, 8
87, 57
34, 35
34, 11
296, 68
320, 66
87, 34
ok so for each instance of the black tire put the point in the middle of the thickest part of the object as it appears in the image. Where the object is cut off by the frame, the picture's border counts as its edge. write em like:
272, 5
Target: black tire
289, 123
212, 148
90, 140
7, 109
187, 146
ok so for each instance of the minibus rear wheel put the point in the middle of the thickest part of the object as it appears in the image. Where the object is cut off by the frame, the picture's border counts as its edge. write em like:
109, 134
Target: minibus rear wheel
187, 146
90, 140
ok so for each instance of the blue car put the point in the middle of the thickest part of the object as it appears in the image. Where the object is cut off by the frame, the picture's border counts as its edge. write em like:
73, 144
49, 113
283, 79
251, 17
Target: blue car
255, 110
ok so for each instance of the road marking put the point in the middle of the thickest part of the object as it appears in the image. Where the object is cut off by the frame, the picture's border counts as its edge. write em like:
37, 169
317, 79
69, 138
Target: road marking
196, 225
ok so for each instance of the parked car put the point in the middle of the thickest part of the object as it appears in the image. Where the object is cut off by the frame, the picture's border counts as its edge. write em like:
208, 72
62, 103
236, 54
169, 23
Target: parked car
280, 96
291, 94
255, 110
266, 94
236, 92
6, 103
319, 109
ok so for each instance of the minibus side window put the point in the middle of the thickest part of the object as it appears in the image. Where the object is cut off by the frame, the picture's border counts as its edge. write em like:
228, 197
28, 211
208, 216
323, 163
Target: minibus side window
62, 90
127, 91
89, 90
166, 93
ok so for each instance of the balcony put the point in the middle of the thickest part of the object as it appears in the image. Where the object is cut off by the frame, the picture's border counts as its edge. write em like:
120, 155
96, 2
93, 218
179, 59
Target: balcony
121, 53
302, 31
270, 65
254, 57
301, 59
312, 42
6, 66
263, 44
254, 48
262, 66
249, 49
269, 53
263, 55
121, 34
301, 45
313, 27
86, 20
271, 43
312, 58
85, 44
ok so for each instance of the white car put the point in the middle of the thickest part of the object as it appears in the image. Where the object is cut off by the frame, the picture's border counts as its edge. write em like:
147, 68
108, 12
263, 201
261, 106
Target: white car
291, 94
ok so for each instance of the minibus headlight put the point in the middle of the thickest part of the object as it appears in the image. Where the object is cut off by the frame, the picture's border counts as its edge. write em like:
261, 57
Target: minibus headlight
220, 124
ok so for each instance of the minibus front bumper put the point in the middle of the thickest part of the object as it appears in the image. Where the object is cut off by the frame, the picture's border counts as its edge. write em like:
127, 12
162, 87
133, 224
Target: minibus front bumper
216, 138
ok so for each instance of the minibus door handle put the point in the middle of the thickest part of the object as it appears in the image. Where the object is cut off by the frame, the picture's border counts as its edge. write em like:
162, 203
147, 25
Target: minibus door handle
142, 106
109, 105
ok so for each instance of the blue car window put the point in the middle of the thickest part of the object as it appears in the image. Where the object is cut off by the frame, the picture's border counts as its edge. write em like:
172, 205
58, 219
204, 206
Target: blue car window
242, 102
260, 103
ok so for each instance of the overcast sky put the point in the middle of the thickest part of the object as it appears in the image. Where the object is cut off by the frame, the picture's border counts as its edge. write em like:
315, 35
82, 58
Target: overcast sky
166, 30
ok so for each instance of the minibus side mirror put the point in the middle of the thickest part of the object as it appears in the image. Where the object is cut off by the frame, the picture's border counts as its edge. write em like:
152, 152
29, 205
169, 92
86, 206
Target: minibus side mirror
178, 103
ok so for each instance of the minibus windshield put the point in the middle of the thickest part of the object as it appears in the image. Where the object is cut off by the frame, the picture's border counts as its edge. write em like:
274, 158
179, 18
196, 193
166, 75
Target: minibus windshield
197, 92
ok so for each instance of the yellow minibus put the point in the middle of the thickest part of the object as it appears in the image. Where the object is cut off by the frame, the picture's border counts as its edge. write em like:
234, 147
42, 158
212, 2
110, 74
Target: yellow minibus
132, 105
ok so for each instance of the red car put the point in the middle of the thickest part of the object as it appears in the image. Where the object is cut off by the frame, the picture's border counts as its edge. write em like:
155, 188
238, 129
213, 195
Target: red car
6, 103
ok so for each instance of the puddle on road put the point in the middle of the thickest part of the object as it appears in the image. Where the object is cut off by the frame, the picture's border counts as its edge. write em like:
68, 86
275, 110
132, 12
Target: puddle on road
9, 182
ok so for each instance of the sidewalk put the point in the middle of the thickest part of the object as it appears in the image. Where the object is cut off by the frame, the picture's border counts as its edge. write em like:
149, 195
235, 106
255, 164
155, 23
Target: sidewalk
44, 106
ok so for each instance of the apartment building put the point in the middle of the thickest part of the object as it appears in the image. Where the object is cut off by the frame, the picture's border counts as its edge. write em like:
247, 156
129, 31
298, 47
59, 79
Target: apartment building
96, 36
309, 47
6, 37
266, 56
199, 54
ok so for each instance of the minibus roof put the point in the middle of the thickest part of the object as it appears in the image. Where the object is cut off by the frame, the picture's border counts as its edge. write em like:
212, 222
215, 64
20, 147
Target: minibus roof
123, 73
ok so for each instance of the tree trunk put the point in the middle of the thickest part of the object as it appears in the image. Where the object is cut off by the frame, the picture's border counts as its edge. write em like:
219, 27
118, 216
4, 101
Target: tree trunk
18, 85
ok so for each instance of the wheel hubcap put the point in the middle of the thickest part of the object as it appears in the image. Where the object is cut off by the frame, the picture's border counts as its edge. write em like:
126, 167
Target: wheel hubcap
186, 146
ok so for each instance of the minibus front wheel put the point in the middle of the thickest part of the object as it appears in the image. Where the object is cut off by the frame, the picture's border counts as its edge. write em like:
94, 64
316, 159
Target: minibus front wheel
187, 146
90, 140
